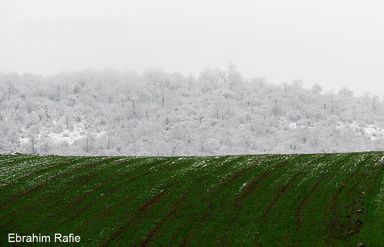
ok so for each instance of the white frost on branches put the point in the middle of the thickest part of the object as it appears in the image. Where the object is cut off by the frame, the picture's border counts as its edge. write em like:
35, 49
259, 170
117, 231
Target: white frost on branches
156, 113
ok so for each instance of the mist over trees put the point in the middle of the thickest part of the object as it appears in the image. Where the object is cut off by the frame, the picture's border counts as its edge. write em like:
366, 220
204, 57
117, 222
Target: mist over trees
105, 112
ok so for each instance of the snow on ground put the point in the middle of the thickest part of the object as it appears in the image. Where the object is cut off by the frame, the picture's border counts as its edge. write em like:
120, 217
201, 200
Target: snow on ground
306, 124
78, 132
374, 132
71, 136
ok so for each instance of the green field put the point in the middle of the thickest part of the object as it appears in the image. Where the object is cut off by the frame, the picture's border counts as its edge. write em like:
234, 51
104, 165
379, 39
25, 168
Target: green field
263, 200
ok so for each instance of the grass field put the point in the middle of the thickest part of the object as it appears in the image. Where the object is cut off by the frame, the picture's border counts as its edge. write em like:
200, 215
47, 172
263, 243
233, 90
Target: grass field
265, 200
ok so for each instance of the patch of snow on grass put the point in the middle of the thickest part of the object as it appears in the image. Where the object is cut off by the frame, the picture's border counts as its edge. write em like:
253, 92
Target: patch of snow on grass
242, 187
381, 161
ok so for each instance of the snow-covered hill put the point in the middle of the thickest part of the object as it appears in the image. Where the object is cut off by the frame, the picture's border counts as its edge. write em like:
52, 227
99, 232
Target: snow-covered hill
155, 113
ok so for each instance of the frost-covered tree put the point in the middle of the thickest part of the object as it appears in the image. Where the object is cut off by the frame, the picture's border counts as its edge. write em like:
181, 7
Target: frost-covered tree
105, 112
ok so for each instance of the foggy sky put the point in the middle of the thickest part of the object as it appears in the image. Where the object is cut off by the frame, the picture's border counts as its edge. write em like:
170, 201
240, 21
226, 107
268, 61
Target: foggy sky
333, 43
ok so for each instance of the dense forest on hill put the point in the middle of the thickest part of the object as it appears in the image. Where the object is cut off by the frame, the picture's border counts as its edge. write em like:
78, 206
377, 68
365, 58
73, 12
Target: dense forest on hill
105, 112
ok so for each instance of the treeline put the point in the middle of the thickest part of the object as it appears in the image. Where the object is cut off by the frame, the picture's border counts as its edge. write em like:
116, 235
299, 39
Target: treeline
94, 112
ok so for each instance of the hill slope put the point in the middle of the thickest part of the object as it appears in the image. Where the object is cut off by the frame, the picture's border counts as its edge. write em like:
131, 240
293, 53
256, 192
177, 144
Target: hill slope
160, 114
266, 200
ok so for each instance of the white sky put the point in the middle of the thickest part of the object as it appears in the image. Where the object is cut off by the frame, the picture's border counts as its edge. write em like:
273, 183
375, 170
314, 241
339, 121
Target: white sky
331, 42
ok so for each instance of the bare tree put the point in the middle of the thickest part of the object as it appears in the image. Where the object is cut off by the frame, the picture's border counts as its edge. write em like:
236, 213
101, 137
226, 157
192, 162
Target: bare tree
32, 138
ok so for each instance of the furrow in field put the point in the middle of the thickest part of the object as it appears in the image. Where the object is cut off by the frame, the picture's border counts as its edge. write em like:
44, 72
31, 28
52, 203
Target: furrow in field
150, 235
338, 228
286, 187
141, 210
267, 200
299, 210
75, 169
314, 191
254, 184
43, 184
133, 219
